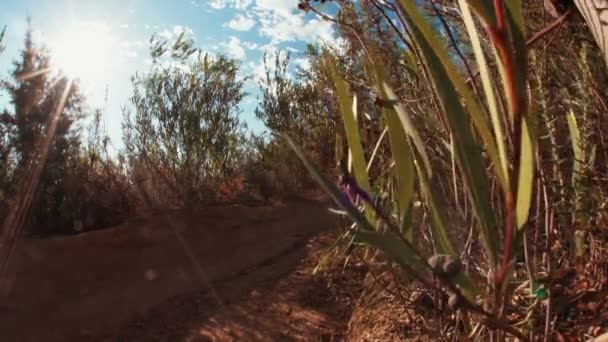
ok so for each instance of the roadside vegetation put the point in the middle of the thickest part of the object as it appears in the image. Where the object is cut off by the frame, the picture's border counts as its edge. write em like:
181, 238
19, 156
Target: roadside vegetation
462, 141
472, 161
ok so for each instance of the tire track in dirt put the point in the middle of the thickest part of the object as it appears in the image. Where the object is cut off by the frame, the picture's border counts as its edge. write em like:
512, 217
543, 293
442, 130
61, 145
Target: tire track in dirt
271, 302
86, 287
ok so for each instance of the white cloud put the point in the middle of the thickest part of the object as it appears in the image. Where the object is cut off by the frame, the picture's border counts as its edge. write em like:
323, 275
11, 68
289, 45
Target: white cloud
233, 48
258, 70
303, 63
178, 29
174, 32
281, 6
166, 34
279, 24
133, 48
219, 4
241, 4
279, 21
284, 24
250, 45
241, 23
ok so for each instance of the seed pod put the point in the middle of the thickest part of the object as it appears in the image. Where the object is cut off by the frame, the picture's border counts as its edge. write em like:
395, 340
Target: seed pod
451, 266
422, 301
436, 263
454, 302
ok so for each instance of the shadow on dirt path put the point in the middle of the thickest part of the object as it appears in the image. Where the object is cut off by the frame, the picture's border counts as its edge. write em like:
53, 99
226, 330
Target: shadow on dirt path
274, 302
157, 277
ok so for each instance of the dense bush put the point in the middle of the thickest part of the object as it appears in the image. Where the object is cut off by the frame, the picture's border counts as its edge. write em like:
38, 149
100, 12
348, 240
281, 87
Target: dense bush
69, 182
184, 127
297, 102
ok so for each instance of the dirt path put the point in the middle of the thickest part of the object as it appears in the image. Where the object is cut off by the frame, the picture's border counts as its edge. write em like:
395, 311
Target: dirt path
160, 277
267, 303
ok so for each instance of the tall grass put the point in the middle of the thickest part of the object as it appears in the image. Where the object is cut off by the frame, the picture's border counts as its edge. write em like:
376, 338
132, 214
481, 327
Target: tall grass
492, 136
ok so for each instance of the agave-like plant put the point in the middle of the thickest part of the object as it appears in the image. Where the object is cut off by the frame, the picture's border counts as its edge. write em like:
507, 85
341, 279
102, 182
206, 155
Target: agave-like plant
490, 143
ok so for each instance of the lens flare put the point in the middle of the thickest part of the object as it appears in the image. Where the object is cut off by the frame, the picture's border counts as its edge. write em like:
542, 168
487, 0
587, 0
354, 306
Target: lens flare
84, 52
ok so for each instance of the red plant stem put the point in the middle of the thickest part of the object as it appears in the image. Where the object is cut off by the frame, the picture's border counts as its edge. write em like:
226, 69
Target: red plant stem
537, 36
500, 14
517, 106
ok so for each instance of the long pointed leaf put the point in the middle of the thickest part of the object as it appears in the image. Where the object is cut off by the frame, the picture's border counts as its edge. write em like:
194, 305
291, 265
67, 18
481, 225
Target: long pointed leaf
577, 149
488, 88
331, 188
347, 106
526, 176
400, 148
424, 32
437, 209
468, 151
485, 10
409, 127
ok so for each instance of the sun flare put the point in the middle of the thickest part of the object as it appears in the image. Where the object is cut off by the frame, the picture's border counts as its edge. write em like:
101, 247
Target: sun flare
84, 52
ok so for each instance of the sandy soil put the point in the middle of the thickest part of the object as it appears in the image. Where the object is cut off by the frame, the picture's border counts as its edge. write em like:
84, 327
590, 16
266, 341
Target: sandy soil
175, 276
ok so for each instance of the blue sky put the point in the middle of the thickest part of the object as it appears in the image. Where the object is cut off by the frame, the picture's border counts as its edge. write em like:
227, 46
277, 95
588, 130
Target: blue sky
242, 29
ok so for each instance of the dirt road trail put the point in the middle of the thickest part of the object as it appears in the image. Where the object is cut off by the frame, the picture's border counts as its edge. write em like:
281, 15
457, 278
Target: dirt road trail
107, 285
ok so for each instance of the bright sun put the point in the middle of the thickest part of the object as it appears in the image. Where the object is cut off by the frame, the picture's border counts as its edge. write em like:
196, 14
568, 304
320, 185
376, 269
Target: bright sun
84, 52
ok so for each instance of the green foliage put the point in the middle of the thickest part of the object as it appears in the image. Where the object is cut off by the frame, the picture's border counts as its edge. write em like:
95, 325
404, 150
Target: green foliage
184, 124
485, 130
293, 101
34, 100
349, 111
290, 106
73, 191
503, 153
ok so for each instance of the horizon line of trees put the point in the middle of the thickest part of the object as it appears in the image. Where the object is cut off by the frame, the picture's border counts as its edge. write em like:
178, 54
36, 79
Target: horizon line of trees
184, 143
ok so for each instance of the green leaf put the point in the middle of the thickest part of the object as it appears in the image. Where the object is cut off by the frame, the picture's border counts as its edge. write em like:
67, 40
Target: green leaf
446, 82
437, 209
577, 148
514, 7
424, 34
579, 243
485, 10
408, 126
348, 107
488, 87
526, 175
578, 169
341, 200
400, 148
518, 50
376, 148
541, 292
